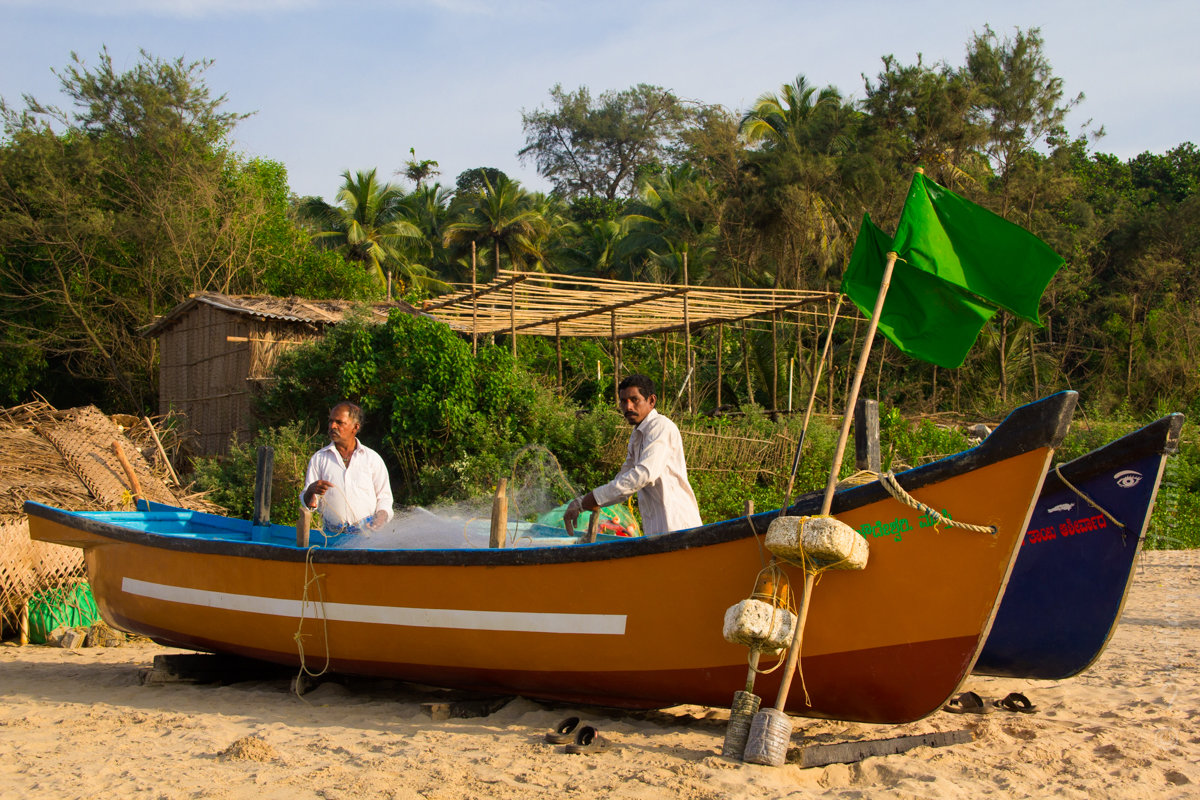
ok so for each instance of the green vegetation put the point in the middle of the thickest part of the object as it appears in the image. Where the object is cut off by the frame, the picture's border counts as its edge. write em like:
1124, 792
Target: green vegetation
114, 209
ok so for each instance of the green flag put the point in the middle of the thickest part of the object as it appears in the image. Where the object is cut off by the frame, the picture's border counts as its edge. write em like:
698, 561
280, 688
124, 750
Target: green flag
970, 247
923, 315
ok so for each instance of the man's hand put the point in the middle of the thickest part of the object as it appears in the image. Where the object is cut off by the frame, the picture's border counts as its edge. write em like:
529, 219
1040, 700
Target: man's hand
315, 488
574, 509
377, 520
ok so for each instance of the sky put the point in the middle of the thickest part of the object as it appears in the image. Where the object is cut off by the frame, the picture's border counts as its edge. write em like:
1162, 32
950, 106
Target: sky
352, 85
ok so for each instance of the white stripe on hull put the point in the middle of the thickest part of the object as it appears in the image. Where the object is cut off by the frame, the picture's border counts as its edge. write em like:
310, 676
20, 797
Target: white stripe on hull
460, 619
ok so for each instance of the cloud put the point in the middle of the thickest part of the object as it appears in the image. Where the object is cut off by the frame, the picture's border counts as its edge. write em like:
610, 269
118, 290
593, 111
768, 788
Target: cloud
187, 9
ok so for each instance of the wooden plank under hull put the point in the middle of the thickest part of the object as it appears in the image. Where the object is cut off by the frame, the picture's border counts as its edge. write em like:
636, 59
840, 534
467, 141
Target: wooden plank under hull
1071, 577
630, 623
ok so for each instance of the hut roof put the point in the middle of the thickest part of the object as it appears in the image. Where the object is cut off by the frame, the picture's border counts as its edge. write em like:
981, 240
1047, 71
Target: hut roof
288, 309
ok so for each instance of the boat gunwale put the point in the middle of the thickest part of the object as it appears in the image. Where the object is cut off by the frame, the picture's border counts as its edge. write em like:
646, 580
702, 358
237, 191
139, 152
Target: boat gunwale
1042, 423
1159, 437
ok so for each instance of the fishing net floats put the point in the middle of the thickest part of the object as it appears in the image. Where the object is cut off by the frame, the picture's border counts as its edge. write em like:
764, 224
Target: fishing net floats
767, 622
764, 622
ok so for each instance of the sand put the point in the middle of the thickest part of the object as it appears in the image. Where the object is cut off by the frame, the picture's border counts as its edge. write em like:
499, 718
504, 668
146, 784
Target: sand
79, 723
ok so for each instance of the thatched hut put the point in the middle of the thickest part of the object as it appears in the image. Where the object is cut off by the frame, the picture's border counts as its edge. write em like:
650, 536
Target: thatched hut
212, 347
65, 458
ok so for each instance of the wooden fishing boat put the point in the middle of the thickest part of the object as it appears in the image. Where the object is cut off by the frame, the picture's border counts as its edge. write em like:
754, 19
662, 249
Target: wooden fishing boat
1072, 574
631, 623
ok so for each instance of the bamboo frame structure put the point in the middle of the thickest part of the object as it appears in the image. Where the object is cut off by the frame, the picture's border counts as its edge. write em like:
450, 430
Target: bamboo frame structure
541, 304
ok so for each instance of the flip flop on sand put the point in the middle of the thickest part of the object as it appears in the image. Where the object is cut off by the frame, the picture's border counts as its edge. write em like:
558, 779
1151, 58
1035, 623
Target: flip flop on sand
1015, 701
588, 740
564, 732
967, 703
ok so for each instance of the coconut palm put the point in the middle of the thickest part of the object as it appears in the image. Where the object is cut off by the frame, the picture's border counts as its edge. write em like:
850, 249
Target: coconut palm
368, 225
791, 118
500, 216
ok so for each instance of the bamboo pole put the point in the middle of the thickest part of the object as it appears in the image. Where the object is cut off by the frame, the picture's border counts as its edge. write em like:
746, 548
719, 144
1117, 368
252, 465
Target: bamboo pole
558, 353
474, 304
720, 351
612, 322
129, 473
687, 338
789, 669
746, 364
161, 451
774, 362
662, 386
512, 319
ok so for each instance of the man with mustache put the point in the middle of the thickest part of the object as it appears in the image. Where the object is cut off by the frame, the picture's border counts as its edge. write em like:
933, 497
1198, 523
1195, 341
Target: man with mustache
362, 494
654, 467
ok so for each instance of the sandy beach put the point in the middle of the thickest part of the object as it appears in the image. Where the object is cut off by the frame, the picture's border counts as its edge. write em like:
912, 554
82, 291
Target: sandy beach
80, 723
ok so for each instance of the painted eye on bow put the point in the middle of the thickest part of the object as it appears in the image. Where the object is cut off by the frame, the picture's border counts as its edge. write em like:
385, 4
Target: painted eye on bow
1128, 478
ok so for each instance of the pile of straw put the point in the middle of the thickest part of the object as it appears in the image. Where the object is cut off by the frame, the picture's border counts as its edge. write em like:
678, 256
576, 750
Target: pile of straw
64, 459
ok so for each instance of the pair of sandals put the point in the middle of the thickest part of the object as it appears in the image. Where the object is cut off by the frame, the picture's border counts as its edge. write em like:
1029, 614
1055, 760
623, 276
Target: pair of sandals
971, 703
579, 739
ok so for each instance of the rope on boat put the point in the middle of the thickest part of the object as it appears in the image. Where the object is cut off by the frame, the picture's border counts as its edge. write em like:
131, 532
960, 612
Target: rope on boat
1090, 501
779, 578
311, 578
888, 479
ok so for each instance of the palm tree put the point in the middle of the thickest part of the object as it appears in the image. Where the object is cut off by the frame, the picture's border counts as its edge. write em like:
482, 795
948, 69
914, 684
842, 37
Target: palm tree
501, 216
789, 119
368, 225
418, 171
672, 217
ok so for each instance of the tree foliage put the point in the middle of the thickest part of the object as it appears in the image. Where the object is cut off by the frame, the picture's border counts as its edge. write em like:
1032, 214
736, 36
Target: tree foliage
603, 147
448, 423
111, 213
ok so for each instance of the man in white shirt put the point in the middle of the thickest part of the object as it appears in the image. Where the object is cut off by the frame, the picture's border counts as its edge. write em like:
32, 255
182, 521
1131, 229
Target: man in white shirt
654, 467
349, 479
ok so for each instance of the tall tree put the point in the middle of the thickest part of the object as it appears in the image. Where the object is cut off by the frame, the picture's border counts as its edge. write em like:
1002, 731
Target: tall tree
603, 146
501, 217
111, 213
369, 225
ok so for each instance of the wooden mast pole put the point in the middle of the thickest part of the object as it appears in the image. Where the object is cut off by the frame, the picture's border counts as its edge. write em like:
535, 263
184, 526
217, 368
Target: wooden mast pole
789, 669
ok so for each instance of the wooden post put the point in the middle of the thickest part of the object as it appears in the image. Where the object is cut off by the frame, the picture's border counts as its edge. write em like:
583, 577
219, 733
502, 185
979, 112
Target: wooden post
774, 360
23, 625
791, 378
129, 473
499, 535
558, 352
303, 525
612, 324
512, 318
662, 386
593, 527
1037, 389
746, 363
474, 306
720, 350
866, 435
263, 473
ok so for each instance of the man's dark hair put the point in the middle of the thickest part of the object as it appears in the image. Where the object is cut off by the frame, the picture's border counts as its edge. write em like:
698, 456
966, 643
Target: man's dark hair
352, 411
640, 382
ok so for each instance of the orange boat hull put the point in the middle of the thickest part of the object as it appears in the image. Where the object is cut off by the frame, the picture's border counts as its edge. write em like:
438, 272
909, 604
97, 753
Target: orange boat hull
634, 623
